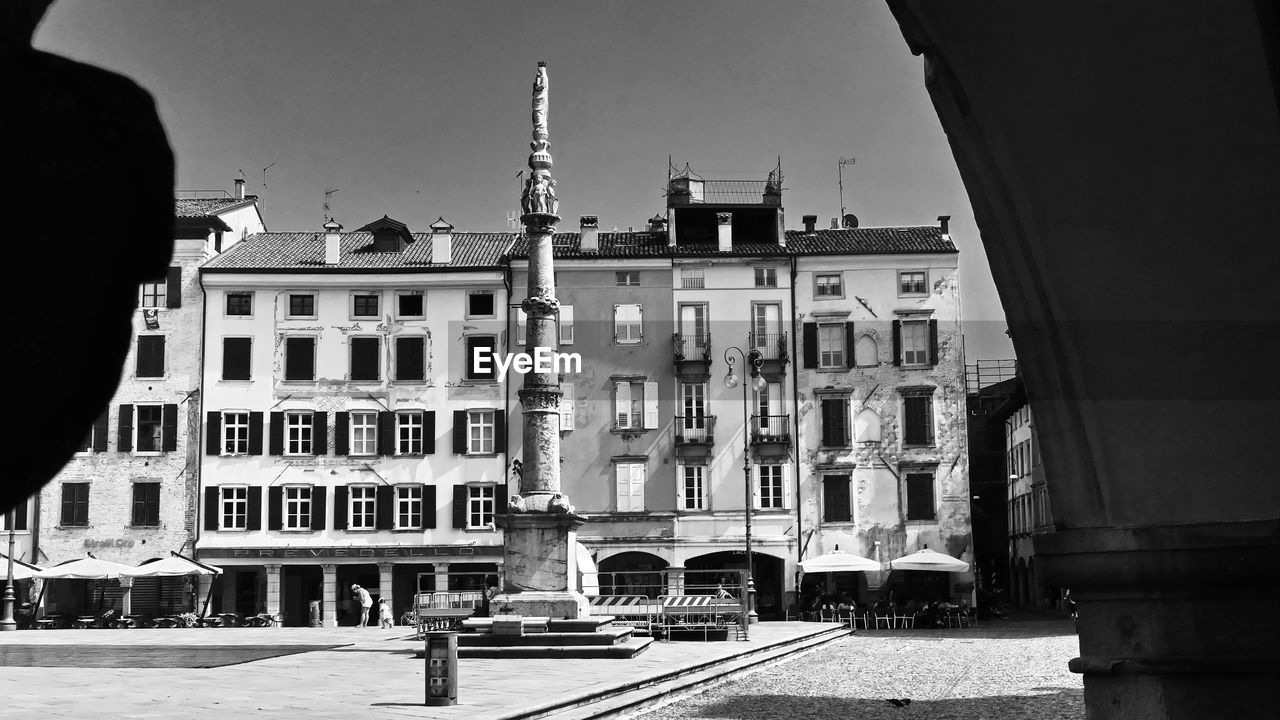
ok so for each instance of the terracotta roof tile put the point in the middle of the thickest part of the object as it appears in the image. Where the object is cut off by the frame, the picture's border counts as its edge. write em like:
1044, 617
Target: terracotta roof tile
305, 251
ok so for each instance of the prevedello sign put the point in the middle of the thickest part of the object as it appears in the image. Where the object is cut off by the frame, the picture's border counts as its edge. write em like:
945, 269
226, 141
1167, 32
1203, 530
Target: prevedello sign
350, 552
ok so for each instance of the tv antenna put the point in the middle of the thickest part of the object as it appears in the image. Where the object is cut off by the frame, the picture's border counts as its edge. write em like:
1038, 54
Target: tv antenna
264, 174
840, 180
328, 192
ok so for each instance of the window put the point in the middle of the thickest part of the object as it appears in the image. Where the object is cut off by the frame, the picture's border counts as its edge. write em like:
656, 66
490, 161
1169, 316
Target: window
480, 425
481, 365
239, 303
364, 433
691, 488
480, 304
408, 507
366, 359
236, 358
150, 430
693, 330
298, 429
235, 507
866, 352
146, 504
566, 324
364, 305
362, 507
635, 405
411, 304
154, 295
771, 491
627, 324
828, 286
409, 433
75, 505
19, 518
297, 507
235, 433
912, 282
630, 483
302, 305
693, 405
96, 439
915, 342
692, 277
300, 358
480, 506
411, 359
567, 407
766, 277
628, 278
831, 345
917, 421
836, 503
150, 356
920, 496
835, 421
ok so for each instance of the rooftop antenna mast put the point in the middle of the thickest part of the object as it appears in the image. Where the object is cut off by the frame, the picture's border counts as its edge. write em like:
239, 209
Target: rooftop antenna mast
327, 193
840, 180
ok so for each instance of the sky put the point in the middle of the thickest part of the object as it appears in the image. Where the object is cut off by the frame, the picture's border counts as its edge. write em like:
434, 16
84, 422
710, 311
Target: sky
419, 110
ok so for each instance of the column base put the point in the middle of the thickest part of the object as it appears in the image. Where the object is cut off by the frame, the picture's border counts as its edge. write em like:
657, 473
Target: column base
557, 605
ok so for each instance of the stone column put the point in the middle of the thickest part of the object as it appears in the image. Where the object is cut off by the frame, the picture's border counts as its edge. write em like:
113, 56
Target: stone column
384, 583
126, 596
329, 595
539, 537
441, 570
273, 588
675, 580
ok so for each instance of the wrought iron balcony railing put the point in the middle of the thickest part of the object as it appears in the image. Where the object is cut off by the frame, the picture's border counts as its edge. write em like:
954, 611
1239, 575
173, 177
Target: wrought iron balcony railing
691, 429
772, 346
691, 347
770, 428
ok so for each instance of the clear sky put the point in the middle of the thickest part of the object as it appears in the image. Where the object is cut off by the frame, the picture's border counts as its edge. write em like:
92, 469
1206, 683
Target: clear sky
421, 109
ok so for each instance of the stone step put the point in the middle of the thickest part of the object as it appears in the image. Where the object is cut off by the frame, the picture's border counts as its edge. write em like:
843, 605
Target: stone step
587, 624
610, 636
484, 625
620, 651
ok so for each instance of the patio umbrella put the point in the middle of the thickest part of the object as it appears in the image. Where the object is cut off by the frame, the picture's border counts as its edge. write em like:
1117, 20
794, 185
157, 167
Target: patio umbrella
927, 559
839, 561
588, 576
21, 570
88, 568
175, 566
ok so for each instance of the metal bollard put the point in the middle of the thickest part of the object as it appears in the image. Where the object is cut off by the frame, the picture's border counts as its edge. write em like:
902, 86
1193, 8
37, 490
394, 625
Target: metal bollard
442, 667
317, 619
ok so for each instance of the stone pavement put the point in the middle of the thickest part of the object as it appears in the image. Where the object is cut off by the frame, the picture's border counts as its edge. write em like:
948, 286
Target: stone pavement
999, 670
372, 675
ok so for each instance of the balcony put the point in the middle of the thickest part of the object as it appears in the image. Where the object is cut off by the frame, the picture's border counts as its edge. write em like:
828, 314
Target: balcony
771, 434
773, 352
628, 422
695, 434
692, 355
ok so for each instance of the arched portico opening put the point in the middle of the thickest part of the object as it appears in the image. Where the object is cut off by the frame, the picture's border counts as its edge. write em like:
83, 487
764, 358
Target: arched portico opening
768, 572
632, 573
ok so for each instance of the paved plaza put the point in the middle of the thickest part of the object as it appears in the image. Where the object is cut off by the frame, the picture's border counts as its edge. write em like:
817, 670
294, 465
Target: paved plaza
997, 670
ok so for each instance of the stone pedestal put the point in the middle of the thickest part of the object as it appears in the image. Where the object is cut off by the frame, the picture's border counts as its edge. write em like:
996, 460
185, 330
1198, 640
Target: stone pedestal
540, 565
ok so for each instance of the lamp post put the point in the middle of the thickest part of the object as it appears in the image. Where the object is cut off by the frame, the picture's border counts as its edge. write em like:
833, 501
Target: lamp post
7, 622
751, 357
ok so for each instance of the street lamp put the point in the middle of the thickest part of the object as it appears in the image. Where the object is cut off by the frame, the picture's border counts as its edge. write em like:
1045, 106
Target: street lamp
7, 622
731, 380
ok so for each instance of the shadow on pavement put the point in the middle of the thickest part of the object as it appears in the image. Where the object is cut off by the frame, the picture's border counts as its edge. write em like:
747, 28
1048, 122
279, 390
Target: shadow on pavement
1053, 706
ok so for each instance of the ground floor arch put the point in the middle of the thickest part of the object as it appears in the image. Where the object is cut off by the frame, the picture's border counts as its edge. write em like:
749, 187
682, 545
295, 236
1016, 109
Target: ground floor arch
769, 573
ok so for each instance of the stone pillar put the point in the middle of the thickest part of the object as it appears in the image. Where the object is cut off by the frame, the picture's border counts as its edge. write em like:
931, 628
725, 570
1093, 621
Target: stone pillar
273, 588
126, 596
384, 585
675, 580
329, 609
441, 570
204, 585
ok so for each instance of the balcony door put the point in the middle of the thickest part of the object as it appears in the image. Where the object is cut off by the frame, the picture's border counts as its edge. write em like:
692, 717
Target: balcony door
693, 405
769, 409
693, 326
766, 328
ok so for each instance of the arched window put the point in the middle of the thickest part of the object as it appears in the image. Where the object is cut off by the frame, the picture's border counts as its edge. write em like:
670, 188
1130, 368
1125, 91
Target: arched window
866, 352
866, 427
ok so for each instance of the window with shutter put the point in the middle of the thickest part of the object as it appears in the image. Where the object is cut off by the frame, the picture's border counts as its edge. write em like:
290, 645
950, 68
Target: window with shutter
363, 433
628, 324
919, 496
630, 486
691, 488
362, 505
300, 358
148, 431
770, 487
409, 436
835, 421
411, 359
810, 344
566, 406
211, 509
836, 502
915, 342
481, 426
480, 506
232, 508
75, 505
234, 436
146, 504
408, 507
297, 507
566, 325
236, 358
366, 356
918, 420
622, 404
150, 359
173, 289
481, 364
650, 405
299, 433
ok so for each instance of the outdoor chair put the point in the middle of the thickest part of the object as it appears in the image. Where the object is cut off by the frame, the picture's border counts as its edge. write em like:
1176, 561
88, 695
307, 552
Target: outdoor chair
883, 616
903, 618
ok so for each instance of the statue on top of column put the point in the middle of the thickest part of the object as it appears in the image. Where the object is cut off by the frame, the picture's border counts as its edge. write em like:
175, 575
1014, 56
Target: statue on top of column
540, 108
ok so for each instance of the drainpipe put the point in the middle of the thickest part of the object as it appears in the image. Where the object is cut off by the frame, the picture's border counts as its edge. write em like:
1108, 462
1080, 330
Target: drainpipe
506, 410
199, 471
795, 412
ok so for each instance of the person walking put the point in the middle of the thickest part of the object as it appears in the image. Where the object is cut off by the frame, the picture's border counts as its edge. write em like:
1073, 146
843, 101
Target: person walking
384, 614
366, 602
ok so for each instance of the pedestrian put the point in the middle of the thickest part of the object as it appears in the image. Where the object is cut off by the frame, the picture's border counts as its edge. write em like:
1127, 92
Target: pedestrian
384, 614
366, 602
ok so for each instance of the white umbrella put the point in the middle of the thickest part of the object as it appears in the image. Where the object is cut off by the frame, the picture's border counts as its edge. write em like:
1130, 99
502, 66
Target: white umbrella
588, 576
927, 559
84, 569
21, 570
171, 566
839, 561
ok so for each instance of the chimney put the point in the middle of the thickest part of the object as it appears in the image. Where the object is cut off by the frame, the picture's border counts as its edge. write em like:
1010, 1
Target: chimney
724, 221
239, 191
441, 242
943, 221
657, 224
810, 221
589, 233
835, 223
332, 238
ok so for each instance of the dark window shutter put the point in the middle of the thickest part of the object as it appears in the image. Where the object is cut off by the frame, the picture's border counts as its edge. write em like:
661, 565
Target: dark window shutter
428, 432
459, 506
20, 516
386, 433
275, 438
213, 433
100, 431
459, 432
319, 515
342, 434
149, 362
833, 431
919, 496
125, 442
68, 504
340, 505
475, 346
173, 291
236, 354
385, 516
848, 345
300, 358
500, 431
428, 507
254, 510
409, 358
933, 342
211, 510
500, 500
810, 351
320, 433
364, 358
169, 427
835, 499
897, 342
275, 508
255, 433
